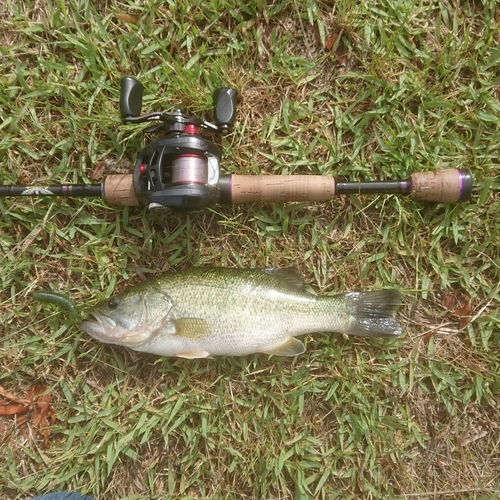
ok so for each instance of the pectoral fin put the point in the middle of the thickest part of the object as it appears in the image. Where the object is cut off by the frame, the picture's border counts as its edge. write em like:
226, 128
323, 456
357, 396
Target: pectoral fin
192, 328
193, 354
290, 347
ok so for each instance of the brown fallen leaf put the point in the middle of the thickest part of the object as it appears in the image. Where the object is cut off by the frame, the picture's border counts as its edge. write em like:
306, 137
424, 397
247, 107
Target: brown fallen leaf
98, 171
465, 307
8, 395
127, 18
464, 321
427, 337
43, 416
459, 306
342, 59
317, 35
330, 41
450, 301
12, 408
11, 404
22, 423
35, 408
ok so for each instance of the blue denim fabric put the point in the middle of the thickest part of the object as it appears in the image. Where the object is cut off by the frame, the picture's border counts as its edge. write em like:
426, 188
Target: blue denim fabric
63, 495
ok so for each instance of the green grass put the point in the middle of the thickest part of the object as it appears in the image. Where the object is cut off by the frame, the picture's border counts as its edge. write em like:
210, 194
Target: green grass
408, 87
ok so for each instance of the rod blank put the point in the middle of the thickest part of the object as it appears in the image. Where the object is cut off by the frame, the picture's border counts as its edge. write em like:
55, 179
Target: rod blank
74, 190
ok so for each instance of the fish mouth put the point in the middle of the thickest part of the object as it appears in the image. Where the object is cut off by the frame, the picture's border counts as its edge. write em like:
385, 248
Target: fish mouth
101, 328
106, 330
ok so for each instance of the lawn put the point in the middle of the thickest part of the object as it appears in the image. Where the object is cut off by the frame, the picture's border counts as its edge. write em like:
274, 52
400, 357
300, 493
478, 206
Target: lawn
362, 90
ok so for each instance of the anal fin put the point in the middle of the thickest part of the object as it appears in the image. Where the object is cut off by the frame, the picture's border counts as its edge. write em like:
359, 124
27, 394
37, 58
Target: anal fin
290, 347
193, 354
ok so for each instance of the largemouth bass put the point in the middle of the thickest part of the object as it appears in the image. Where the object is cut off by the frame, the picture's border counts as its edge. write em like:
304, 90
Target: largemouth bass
207, 312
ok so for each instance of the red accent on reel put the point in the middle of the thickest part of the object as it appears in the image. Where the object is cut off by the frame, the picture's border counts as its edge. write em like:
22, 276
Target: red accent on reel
191, 129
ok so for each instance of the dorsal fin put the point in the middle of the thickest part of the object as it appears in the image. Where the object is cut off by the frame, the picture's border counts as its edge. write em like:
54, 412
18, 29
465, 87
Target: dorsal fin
289, 277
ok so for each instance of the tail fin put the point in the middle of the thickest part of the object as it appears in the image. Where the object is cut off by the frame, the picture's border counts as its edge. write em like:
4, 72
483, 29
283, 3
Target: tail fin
373, 312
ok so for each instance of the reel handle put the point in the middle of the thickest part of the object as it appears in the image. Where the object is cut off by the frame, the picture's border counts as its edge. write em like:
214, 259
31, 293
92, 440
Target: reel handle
130, 97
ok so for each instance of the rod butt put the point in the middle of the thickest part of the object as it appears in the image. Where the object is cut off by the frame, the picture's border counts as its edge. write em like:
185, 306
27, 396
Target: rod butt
442, 186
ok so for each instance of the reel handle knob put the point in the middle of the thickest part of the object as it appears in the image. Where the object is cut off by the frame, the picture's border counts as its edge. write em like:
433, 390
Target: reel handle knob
130, 97
225, 100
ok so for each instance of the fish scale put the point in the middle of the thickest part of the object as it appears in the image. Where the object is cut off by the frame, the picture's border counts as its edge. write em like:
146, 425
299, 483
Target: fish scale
206, 312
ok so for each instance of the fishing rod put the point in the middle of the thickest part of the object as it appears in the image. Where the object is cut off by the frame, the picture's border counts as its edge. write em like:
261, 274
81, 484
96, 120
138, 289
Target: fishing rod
181, 169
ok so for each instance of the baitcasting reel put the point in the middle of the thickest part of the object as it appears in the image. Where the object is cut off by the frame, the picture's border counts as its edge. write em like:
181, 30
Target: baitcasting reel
181, 169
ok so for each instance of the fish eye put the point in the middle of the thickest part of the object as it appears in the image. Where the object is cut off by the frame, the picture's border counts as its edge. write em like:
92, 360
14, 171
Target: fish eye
113, 303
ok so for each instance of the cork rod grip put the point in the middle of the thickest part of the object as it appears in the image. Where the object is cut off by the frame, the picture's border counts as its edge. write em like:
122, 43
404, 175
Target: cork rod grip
119, 190
444, 186
281, 188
